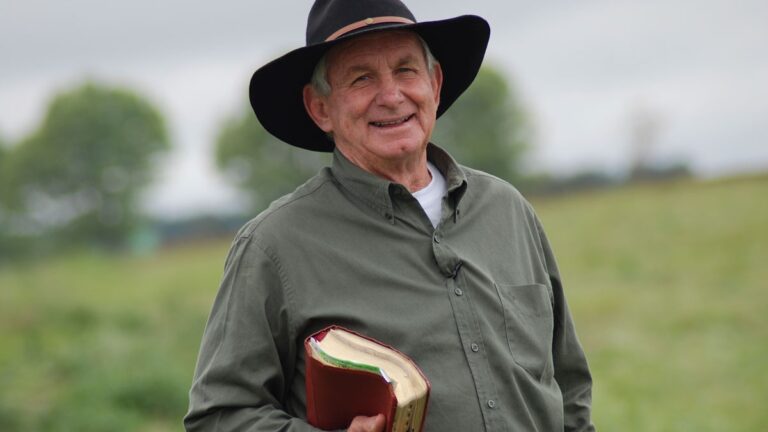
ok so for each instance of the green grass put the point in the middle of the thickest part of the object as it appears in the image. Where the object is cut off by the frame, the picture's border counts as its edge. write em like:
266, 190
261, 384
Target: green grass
97, 343
667, 284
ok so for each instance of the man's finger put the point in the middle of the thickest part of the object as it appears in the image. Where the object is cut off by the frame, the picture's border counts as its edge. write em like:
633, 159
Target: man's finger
367, 424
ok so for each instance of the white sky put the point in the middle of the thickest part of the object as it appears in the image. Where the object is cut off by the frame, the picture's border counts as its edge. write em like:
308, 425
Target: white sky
583, 69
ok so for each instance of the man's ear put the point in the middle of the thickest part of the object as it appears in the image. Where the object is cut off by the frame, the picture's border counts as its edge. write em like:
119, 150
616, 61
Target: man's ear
317, 108
437, 81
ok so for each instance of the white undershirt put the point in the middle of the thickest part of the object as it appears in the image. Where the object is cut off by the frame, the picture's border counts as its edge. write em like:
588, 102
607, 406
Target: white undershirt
431, 197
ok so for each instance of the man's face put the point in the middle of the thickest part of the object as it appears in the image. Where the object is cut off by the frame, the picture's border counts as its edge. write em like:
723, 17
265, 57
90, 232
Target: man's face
383, 100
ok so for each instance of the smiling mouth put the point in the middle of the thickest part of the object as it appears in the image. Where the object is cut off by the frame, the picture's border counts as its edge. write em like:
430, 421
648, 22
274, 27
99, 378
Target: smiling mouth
391, 123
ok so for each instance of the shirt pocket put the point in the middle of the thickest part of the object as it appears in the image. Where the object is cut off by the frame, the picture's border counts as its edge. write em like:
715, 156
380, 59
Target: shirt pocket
529, 325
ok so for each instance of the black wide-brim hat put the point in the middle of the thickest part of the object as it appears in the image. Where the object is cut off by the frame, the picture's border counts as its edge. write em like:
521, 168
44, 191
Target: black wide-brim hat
276, 88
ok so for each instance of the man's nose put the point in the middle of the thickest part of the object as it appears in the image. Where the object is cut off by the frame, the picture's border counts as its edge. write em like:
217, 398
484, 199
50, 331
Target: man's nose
390, 93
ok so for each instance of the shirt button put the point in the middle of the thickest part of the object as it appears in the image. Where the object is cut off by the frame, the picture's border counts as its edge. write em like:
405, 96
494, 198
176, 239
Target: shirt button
491, 404
458, 292
436, 238
475, 348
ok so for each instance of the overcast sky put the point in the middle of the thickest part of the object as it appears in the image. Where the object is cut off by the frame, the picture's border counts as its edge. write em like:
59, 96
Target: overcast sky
583, 68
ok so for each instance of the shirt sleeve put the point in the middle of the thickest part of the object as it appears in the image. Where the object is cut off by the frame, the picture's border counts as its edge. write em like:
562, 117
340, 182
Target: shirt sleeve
571, 369
247, 355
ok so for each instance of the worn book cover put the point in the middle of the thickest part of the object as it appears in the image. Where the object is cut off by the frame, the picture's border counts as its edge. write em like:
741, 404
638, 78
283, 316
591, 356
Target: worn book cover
349, 374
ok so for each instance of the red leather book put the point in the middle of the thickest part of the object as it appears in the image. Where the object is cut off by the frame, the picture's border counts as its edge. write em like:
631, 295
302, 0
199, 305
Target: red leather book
350, 374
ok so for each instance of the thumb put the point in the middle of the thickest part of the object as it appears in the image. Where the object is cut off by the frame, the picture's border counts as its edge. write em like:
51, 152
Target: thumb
368, 424
378, 423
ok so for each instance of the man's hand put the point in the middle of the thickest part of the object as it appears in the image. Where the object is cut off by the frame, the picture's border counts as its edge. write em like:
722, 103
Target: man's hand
367, 424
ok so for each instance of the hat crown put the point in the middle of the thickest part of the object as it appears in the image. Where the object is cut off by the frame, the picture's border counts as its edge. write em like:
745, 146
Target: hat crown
329, 16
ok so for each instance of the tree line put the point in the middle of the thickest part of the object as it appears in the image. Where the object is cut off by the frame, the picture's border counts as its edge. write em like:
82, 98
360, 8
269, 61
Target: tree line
75, 180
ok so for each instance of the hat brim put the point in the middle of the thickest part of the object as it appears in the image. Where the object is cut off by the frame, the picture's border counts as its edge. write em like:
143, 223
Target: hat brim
275, 91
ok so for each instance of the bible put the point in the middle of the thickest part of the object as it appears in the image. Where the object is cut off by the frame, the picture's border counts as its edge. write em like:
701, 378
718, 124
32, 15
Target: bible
348, 374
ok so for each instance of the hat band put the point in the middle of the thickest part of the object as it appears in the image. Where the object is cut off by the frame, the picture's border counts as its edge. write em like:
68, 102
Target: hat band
366, 22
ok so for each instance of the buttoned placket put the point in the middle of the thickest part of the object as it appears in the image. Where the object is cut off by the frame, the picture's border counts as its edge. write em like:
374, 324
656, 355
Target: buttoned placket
467, 325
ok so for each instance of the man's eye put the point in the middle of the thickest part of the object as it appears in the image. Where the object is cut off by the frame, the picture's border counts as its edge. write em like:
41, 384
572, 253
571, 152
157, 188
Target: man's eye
361, 78
405, 70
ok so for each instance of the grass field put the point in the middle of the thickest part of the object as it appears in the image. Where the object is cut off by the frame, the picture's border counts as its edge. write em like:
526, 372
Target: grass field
667, 283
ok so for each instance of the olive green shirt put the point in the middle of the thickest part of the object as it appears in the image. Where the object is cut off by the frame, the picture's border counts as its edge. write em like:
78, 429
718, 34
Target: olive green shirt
476, 302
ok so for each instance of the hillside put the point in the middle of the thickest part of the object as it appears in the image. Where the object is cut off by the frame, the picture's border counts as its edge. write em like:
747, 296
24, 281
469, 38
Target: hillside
668, 286
666, 283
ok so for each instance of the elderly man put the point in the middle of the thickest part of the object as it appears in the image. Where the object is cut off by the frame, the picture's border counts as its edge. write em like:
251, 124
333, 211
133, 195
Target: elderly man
395, 240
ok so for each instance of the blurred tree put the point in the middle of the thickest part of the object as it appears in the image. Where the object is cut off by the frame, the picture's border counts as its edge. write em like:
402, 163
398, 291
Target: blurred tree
487, 128
644, 130
5, 241
260, 164
76, 178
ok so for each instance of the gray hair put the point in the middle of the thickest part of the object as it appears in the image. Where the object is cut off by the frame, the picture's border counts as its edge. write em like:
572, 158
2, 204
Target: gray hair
319, 79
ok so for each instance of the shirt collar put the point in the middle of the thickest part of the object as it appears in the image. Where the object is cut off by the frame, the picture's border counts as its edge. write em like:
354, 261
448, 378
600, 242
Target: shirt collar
455, 179
377, 192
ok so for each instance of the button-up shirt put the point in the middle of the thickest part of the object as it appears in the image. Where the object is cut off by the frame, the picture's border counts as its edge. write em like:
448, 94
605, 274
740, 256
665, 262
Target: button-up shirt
476, 302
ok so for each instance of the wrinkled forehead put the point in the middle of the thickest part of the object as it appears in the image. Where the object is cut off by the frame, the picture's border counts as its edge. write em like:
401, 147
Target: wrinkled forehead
375, 46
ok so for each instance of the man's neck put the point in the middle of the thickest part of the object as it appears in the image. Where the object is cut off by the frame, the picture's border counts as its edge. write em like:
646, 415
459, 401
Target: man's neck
410, 172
